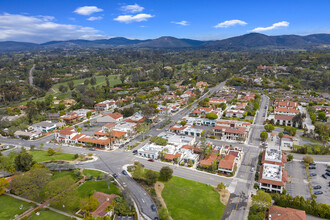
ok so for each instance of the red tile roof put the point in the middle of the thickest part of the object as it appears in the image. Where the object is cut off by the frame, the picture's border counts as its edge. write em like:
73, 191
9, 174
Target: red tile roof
284, 117
117, 134
227, 162
104, 201
236, 130
208, 160
280, 213
66, 131
289, 110
172, 156
115, 115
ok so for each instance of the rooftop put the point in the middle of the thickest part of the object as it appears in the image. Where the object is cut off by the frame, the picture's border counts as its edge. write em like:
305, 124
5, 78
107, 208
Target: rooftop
272, 172
273, 155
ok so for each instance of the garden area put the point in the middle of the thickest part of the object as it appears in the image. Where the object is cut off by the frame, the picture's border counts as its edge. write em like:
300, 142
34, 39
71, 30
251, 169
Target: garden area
312, 149
49, 215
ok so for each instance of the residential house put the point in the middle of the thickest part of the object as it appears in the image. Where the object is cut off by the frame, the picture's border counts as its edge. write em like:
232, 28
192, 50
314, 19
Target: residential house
227, 164
230, 133
217, 101
209, 160
285, 120
116, 116
44, 126
104, 201
105, 105
231, 113
284, 213
187, 94
71, 118
27, 135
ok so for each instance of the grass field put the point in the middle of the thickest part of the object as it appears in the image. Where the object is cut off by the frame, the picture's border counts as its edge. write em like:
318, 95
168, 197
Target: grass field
41, 156
93, 173
64, 174
49, 215
186, 199
89, 187
9, 207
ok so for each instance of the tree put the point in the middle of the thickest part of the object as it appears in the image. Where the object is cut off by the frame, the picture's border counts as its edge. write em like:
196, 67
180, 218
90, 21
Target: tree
163, 213
165, 173
290, 157
321, 116
183, 123
93, 81
57, 186
151, 177
32, 147
3, 185
308, 159
223, 106
138, 172
281, 135
79, 129
71, 85
269, 127
262, 200
298, 119
264, 135
51, 151
89, 204
23, 161
221, 186
147, 111
86, 82
88, 114
211, 116
29, 184
143, 128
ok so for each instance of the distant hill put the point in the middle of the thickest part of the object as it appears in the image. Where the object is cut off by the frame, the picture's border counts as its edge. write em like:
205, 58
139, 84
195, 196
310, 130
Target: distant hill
256, 40
243, 42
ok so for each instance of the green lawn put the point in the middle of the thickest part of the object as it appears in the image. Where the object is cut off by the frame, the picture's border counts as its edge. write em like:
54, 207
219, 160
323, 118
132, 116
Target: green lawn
9, 207
93, 173
64, 173
187, 199
100, 80
49, 215
89, 187
41, 156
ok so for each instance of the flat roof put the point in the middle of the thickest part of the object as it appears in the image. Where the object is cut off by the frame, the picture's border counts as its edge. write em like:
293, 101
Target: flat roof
273, 155
272, 172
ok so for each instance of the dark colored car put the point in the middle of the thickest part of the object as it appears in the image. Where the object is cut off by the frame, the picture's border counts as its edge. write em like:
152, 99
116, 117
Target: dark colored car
312, 168
317, 187
328, 170
312, 174
156, 218
115, 175
312, 164
328, 173
318, 193
286, 132
153, 207
124, 172
142, 165
92, 149
151, 160
135, 152
324, 176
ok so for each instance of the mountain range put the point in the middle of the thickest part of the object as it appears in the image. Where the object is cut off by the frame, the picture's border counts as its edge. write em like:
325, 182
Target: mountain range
243, 42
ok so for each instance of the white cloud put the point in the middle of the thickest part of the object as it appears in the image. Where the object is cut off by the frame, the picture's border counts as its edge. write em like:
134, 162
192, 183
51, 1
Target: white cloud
274, 26
87, 10
230, 23
40, 29
133, 18
95, 18
183, 23
132, 8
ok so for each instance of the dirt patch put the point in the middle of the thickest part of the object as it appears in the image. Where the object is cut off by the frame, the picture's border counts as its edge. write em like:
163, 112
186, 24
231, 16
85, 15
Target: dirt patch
159, 186
224, 195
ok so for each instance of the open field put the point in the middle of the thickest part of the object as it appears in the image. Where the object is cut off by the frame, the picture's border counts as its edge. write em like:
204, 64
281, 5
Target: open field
41, 156
187, 199
10, 207
93, 173
89, 187
64, 173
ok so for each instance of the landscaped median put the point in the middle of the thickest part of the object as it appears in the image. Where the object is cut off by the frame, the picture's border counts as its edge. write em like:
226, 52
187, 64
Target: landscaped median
184, 199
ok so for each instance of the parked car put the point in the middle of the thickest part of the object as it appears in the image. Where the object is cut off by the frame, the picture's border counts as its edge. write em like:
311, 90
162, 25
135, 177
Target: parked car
115, 175
151, 160
135, 151
142, 165
328, 173
312, 168
312, 164
153, 207
124, 172
312, 174
286, 132
317, 187
324, 176
318, 193
156, 218
327, 170
92, 149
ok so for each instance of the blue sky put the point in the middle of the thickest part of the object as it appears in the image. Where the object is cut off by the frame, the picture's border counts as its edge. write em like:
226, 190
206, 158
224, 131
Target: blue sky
45, 20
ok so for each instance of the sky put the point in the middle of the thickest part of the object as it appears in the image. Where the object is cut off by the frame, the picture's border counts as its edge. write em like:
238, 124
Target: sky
40, 21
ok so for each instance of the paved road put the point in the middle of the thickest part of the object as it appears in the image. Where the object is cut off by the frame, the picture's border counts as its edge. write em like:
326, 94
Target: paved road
30, 75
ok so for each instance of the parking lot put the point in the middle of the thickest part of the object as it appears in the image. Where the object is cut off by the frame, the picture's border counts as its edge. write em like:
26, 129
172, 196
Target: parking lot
324, 183
298, 183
